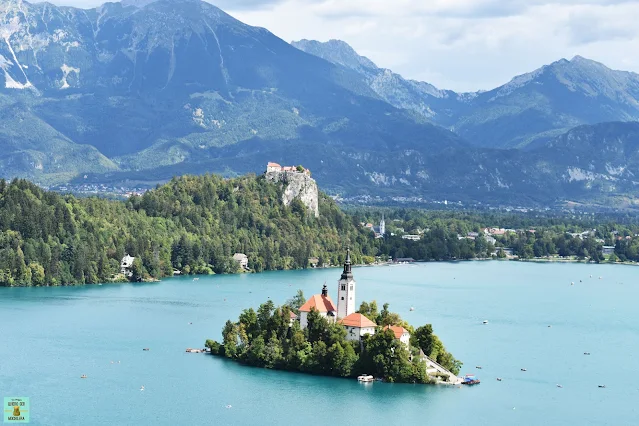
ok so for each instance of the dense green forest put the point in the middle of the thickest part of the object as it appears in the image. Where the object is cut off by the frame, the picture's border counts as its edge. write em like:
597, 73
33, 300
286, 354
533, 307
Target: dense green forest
266, 338
191, 224
195, 224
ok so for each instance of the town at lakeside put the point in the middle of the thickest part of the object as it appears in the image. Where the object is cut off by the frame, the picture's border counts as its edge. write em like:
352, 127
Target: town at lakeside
316, 336
275, 221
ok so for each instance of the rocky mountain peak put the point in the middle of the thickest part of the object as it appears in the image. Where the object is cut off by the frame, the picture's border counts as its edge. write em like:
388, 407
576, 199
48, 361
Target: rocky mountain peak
137, 3
336, 51
578, 75
143, 3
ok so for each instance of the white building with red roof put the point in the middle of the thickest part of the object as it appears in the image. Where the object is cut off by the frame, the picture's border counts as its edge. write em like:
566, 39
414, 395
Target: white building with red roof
401, 333
278, 168
322, 303
292, 318
273, 167
357, 325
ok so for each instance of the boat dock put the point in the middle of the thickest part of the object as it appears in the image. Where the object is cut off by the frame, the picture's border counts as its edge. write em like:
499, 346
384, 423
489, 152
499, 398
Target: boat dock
196, 351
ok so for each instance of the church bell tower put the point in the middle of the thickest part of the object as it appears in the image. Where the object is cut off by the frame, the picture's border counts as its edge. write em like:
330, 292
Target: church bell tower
346, 290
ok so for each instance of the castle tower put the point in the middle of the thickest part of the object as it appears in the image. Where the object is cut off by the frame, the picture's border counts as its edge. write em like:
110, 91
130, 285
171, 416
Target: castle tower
382, 226
346, 290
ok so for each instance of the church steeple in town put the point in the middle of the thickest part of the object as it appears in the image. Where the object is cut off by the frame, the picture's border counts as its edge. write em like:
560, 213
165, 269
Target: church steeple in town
346, 289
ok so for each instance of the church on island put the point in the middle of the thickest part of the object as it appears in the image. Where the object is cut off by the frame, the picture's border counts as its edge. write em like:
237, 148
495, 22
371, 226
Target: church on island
356, 324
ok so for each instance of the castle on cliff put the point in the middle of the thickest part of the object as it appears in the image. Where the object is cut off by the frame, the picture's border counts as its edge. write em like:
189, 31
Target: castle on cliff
298, 183
274, 167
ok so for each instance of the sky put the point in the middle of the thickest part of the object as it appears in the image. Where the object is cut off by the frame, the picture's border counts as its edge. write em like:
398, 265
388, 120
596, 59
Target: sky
462, 45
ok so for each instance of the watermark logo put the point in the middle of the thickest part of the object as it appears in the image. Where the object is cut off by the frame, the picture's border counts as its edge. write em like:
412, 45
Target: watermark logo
16, 409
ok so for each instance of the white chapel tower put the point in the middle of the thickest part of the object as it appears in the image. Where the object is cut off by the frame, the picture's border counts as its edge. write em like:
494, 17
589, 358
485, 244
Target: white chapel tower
346, 290
382, 226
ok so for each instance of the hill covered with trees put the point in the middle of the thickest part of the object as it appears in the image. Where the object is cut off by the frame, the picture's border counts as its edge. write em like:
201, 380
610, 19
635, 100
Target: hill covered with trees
191, 224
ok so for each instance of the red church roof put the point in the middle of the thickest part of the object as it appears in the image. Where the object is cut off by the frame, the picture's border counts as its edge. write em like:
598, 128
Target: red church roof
357, 320
320, 303
397, 330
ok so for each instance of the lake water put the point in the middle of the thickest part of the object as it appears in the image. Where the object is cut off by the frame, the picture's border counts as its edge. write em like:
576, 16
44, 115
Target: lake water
51, 336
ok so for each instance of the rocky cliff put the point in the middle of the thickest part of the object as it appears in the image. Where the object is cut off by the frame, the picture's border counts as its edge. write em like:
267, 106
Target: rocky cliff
297, 185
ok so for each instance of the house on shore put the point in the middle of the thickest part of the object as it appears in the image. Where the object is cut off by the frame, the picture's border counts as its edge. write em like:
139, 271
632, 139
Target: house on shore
126, 264
242, 260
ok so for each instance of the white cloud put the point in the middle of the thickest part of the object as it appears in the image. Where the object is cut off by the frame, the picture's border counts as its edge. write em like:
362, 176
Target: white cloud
456, 44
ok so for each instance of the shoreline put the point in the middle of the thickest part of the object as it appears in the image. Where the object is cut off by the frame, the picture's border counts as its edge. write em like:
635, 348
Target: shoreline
307, 373
533, 260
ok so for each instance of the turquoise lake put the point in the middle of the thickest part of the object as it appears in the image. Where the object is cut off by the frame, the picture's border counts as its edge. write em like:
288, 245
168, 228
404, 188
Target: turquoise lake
51, 336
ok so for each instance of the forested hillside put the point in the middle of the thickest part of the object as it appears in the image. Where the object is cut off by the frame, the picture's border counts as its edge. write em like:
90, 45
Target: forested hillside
192, 224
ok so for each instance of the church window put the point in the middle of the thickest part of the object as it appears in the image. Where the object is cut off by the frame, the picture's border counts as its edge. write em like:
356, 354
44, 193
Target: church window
342, 297
351, 288
343, 287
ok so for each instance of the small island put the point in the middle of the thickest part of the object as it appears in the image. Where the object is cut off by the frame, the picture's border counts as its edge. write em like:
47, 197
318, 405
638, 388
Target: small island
316, 337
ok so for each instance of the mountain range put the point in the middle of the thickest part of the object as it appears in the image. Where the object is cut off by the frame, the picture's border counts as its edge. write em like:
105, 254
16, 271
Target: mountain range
139, 91
523, 113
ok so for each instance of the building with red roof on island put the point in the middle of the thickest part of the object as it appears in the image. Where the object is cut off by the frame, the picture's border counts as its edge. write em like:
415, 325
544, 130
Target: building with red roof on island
357, 325
322, 303
401, 333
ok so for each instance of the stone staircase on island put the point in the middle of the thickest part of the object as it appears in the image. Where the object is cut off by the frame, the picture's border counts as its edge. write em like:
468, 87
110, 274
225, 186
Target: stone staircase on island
433, 367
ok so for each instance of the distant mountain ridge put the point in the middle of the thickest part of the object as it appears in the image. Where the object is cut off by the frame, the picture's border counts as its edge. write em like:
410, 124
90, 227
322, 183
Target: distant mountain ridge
420, 97
140, 92
169, 83
525, 112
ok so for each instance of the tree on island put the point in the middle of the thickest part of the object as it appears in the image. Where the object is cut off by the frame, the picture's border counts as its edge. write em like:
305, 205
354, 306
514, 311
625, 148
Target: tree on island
390, 359
383, 318
296, 302
369, 310
430, 344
